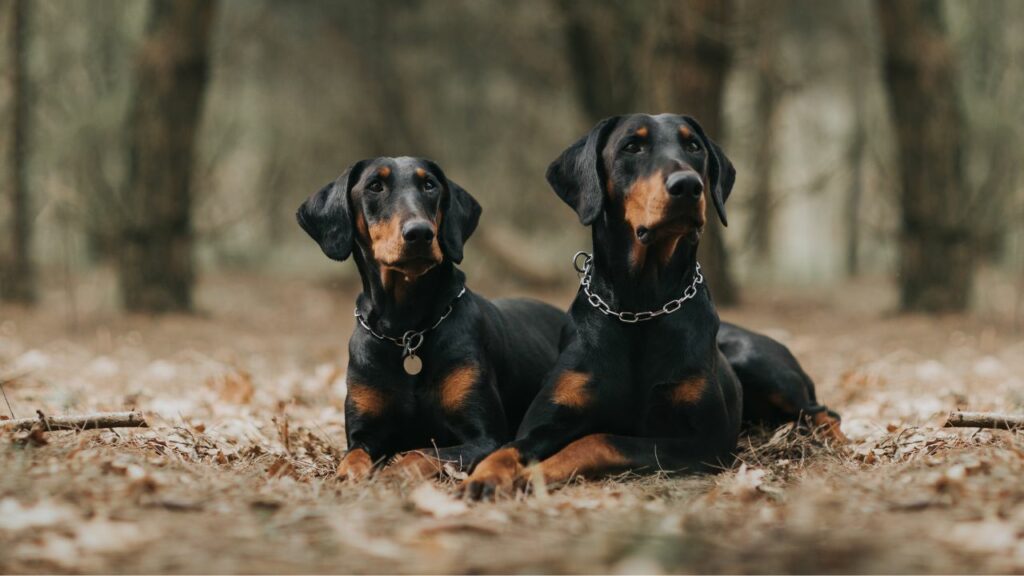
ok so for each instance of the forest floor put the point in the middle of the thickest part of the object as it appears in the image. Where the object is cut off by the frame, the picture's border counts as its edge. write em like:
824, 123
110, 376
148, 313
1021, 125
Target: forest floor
245, 406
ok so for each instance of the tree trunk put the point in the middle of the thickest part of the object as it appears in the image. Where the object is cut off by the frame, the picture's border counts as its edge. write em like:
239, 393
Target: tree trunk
936, 260
855, 191
606, 73
766, 104
156, 269
702, 59
17, 274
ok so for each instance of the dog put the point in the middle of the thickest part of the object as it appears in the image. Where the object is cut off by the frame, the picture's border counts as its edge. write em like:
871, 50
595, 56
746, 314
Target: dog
437, 375
646, 380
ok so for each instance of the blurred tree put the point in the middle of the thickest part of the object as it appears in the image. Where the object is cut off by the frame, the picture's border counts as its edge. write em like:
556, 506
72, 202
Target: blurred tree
766, 20
854, 28
936, 249
702, 55
156, 268
17, 274
607, 74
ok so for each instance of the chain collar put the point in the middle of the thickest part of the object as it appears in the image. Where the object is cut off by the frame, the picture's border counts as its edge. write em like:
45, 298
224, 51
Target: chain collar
412, 339
586, 274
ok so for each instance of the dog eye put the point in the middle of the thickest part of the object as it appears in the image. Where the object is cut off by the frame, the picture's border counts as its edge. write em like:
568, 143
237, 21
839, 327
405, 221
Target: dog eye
429, 185
632, 148
693, 146
375, 186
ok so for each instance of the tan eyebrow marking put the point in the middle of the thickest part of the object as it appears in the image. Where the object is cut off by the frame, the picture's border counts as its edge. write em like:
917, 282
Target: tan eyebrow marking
384, 171
685, 131
421, 172
642, 131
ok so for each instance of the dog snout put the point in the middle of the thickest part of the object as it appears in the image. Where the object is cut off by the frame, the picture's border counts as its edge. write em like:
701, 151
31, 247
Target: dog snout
417, 232
685, 183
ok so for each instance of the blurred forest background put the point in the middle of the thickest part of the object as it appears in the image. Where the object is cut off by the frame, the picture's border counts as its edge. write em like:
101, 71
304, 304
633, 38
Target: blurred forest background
153, 154
146, 145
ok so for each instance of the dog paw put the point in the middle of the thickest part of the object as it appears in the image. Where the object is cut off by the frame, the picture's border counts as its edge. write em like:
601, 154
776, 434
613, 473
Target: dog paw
827, 423
499, 474
356, 465
411, 467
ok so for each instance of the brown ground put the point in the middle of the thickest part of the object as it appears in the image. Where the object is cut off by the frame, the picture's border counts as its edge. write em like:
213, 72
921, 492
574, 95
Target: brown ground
245, 402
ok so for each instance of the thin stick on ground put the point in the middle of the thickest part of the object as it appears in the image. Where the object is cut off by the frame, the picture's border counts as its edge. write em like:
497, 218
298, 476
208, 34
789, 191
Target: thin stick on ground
985, 420
6, 401
93, 421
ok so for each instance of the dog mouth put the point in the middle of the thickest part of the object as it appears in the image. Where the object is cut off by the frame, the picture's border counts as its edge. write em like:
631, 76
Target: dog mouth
679, 226
414, 266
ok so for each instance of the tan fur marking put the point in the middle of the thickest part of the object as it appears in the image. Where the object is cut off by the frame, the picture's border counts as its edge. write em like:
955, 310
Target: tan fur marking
689, 391
420, 172
365, 399
364, 232
386, 240
413, 465
457, 385
827, 425
646, 202
589, 456
355, 465
661, 250
500, 468
384, 171
685, 131
642, 132
571, 389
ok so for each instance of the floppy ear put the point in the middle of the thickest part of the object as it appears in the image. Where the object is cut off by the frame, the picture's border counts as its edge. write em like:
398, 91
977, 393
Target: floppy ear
461, 215
326, 215
720, 171
577, 174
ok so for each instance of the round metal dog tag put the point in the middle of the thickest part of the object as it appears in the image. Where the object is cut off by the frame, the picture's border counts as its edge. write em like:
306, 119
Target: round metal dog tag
412, 364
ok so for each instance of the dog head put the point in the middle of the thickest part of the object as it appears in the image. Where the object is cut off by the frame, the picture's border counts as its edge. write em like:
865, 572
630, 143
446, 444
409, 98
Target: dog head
405, 213
654, 173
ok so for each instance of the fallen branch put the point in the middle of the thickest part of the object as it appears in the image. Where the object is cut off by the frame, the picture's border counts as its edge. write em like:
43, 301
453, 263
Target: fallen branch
985, 420
82, 422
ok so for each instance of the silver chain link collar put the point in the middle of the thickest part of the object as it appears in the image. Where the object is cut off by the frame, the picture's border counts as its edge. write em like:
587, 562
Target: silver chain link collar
586, 273
412, 339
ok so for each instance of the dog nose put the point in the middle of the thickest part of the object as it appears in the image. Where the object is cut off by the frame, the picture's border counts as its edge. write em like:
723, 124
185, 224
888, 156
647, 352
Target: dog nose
418, 231
684, 183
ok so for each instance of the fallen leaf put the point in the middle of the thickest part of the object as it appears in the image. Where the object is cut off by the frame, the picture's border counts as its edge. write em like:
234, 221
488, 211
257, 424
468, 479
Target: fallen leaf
429, 500
14, 516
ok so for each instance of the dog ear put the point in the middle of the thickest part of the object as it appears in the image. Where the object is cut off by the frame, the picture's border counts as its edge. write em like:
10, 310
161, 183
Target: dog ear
326, 215
577, 175
720, 171
461, 215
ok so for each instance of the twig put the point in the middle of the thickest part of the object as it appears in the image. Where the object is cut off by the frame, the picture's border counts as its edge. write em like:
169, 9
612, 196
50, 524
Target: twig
4, 392
82, 422
985, 420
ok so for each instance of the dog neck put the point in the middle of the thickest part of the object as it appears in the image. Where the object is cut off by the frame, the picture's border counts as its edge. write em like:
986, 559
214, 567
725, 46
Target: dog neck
636, 277
392, 303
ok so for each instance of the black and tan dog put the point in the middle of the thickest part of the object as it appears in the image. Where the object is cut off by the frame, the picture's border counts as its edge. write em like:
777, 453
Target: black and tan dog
436, 374
641, 382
